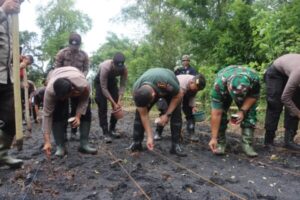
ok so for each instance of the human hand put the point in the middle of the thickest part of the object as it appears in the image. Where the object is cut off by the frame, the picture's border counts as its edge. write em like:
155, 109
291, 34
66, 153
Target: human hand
11, 6
47, 148
76, 122
194, 109
213, 144
25, 84
164, 119
38, 119
115, 106
150, 143
240, 117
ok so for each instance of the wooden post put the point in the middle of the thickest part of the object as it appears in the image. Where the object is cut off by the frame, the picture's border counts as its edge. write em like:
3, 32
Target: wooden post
27, 115
17, 88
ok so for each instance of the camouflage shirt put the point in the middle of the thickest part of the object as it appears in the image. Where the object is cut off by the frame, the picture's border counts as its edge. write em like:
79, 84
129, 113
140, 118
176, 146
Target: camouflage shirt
220, 92
78, 59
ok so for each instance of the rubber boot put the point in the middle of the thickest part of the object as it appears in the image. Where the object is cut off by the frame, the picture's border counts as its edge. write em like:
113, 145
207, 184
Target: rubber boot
84, 129
247, 142
221, 146
191, 131
269, 138
106, 134
176, 147
138, 137
113, 132
158, 132
74, 134
289, 140
58, 130
5, 159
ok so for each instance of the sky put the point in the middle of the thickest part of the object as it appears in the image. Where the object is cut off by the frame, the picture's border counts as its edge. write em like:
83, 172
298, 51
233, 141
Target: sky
100, 11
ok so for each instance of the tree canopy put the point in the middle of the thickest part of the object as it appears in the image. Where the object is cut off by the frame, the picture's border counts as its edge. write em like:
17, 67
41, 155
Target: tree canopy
215, 33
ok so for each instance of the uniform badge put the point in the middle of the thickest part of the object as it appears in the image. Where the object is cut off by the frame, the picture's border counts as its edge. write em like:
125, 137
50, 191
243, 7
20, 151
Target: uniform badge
162, 85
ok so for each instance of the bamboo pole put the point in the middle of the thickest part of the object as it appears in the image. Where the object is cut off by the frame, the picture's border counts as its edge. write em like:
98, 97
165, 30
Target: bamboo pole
27, 115
17, 88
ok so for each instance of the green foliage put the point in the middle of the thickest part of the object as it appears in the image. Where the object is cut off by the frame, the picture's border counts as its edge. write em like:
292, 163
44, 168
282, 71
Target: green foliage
276, 33
216, 33
57, 20
235, 43
31, 46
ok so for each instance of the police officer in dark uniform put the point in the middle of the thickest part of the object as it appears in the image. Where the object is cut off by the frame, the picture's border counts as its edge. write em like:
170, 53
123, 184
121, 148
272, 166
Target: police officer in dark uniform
75, 57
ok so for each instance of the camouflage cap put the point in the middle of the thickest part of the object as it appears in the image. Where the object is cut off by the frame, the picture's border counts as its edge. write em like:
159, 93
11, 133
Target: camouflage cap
185, 57
239, 86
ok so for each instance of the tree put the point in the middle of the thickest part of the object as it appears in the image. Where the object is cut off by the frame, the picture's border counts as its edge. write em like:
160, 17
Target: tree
30, 44
57, 20
166, 37
276, 30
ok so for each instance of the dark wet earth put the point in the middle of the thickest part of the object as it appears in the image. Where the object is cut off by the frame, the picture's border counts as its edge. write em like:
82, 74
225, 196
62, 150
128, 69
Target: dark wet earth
116, 173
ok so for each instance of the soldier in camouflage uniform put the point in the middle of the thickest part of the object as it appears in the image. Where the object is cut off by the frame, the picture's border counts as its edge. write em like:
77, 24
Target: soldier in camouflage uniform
75, 57
241, 85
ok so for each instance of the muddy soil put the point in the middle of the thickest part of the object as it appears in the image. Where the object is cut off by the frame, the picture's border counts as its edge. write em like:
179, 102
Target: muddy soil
116, 173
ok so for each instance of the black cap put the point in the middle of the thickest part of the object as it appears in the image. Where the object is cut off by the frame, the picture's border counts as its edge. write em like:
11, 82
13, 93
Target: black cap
200, 81
119, 59
75, 39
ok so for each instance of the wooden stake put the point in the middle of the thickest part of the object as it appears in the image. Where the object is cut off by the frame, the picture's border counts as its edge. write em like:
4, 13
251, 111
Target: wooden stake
17, 88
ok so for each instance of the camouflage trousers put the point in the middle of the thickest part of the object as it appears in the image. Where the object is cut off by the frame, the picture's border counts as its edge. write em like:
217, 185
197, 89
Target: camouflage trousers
248, 122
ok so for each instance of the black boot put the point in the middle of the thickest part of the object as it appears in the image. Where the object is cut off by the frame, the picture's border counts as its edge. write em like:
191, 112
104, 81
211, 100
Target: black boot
289, 140
136, 146
158, 132
113, 132
175, 134
138, 137
269, 138
177, 150
74, 134
190, 126
106, 135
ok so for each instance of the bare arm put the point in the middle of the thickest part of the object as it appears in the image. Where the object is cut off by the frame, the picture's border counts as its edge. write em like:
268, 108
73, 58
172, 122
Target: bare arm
144, 115
216, 115
47, 144
248, 103
288, 93
103, 84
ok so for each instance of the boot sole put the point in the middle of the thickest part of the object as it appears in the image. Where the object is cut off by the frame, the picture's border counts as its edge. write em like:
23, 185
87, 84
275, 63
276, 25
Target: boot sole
81, 150
12, 166
179, 155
